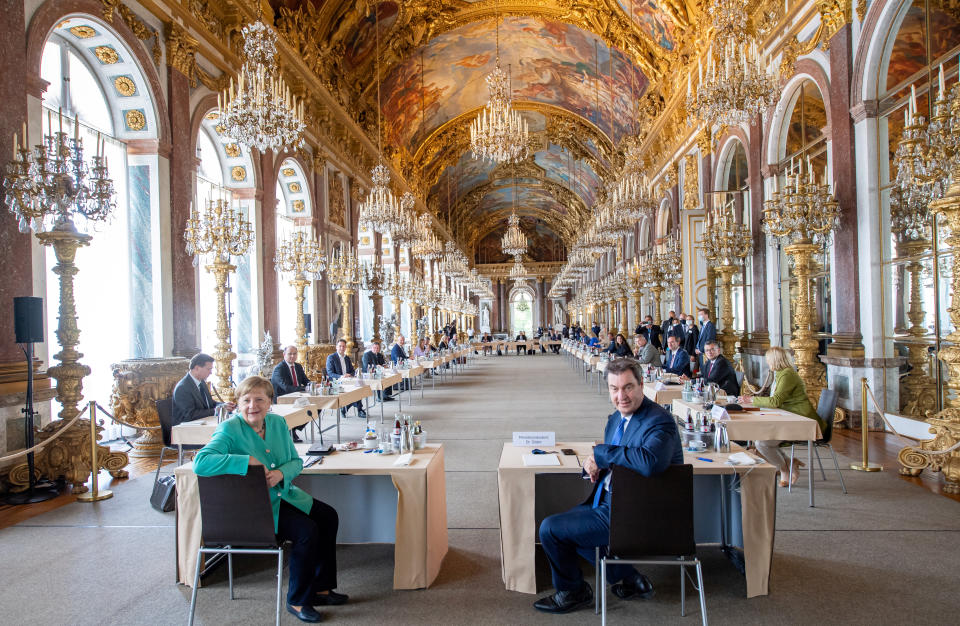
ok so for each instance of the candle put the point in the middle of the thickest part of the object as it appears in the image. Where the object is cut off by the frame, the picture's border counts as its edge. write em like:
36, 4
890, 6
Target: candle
60, 119
15, 146
913, 99
26, 143
943, 92
906, 116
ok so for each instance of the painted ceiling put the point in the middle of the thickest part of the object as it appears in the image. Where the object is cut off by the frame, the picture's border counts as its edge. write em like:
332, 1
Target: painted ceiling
577, 73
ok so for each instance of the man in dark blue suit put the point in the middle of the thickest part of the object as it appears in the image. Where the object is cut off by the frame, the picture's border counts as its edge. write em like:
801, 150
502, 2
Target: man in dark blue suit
708, 332
288, 377
398, 354
191, 397
639, 435
677, 361
339, 366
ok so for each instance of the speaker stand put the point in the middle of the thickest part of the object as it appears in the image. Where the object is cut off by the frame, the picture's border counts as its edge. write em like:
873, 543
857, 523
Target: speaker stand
36, 492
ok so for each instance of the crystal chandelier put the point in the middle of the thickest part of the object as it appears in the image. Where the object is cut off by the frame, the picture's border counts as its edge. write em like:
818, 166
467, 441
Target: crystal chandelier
404, 227
499, 133
380, 210
262, 113
518, 272
344, 269
514, 242
219, 232
735, 86
427, 247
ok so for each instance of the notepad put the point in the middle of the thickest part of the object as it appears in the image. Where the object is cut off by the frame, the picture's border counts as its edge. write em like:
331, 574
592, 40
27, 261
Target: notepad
540, 460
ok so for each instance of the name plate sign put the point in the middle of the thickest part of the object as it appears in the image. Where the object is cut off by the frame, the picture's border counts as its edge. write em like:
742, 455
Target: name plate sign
719, 413
659, 386
535, 439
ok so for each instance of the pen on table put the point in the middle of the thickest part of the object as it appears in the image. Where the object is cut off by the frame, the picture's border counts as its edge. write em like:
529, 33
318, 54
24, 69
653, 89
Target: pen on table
700, 458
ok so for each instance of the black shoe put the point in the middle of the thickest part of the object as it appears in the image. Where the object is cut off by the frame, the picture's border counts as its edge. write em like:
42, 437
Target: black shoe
565, 601
633, 586
331, 598
343, 414
362, 414
305, 614
389, 399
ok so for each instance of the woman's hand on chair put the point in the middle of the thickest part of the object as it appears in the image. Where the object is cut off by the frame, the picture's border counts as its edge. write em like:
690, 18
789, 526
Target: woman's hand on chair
274, 477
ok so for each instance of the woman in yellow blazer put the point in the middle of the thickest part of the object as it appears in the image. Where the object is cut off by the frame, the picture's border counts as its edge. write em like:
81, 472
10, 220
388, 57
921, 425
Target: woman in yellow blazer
790, 394
258, 439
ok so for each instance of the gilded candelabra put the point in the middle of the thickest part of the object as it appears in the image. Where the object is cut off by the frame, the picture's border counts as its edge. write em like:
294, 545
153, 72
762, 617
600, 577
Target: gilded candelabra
220, 233
412, 291
804, 216
375, 281
725, 245
623, 293
47, 187
635, 273
396, 289
304, 258
343, 272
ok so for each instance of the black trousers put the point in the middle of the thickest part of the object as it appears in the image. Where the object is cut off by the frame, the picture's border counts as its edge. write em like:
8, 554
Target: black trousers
519, 348
313, 558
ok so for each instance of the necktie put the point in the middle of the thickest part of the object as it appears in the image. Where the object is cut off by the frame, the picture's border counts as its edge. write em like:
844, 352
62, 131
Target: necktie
673, 360
206, 401
617, 436
293, 374
710, 369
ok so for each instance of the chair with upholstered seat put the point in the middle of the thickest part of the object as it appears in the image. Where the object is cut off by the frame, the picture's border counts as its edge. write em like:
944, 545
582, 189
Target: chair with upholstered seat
651, 523
236, 518
825, 408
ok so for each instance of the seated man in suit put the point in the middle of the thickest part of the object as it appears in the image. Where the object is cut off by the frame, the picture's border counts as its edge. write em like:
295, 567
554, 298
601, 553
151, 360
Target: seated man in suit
370, 360
521, 337
339, 366
639, 435
717, 369
191, 397
288, 376
677, 360
398, 354
646, 354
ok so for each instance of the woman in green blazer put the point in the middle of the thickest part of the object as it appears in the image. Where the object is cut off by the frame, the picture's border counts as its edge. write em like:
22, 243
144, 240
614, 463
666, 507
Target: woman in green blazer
790, 394
259, 439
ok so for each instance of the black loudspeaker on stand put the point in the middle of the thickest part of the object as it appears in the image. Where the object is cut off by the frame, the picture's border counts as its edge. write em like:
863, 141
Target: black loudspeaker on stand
28, 327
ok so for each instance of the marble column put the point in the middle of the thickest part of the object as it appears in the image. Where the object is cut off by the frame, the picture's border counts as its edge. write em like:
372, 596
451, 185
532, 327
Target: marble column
15, 254
847, 340
495, 308
759, 338
268, 227
183, 167
321, 318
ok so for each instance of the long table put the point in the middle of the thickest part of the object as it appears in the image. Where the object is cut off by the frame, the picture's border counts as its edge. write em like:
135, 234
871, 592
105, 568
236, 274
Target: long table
199, 432
762, 424
753, 529
335, 402
377, 502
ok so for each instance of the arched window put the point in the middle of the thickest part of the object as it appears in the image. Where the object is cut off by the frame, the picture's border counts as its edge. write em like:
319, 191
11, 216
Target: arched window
521, 311
294, 210
95, 82
733, 196
916, 268
225, 174
803, 140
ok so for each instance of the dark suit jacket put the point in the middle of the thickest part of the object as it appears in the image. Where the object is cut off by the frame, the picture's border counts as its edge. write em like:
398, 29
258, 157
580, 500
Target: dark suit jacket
678, 332
721, 373
650, 443
707, 333
693, 336
283, 382
190, 403
333, 366
653, 336
369, 358
678, 365
397, 353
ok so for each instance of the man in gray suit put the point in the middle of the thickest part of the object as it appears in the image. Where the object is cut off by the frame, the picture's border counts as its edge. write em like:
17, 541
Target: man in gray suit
191, 397
646, 353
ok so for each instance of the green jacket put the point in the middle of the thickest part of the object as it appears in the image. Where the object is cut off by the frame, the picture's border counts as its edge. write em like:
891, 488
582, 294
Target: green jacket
234, 442
789, 394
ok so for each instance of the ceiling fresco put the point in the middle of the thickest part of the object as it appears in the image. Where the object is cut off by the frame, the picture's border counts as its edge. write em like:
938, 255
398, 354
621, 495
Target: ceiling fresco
550, 62
652, 20
361, 43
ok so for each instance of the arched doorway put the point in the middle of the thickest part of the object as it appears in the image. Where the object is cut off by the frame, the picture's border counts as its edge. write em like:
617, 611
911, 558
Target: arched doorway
521, 310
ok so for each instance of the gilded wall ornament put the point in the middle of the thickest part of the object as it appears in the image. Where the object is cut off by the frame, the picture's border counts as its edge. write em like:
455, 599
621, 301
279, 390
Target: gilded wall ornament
140, 30
135, 119
219, 129
238, 173
288, 171
106, 55
691, 183
337, 204
294, 187
212, 115
83, 32
299, 206
125, 86
232, 150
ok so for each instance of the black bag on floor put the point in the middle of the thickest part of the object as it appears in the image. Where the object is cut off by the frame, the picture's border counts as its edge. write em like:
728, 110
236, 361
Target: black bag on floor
164, 496
499, 353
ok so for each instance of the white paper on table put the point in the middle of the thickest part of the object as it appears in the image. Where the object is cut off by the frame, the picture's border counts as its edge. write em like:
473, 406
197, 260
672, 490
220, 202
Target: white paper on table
659, 386
541, 460
302, 401
719, 413
404, 459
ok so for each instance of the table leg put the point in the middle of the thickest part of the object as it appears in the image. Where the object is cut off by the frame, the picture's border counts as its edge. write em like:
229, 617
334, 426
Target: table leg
381, 407
810, 468
338, 425
421, 385
400, 397
179, 454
